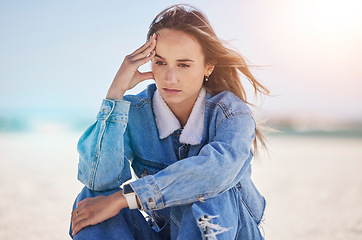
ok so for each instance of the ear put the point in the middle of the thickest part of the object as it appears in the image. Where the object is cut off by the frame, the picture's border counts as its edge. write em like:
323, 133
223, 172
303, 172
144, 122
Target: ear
209, 69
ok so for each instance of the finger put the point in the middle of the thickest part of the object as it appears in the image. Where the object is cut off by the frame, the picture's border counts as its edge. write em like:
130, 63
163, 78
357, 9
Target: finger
79, 226
144, 46
146, 75
74, 220
146, 52
76, 210
77, 214
74, 213
77, 219
146, 59
81, 202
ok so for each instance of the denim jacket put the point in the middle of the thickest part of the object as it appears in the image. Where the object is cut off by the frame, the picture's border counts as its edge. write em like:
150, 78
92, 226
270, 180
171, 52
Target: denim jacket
170, 172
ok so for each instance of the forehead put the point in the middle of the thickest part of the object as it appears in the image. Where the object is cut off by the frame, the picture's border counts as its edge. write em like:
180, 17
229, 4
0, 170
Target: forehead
174, 44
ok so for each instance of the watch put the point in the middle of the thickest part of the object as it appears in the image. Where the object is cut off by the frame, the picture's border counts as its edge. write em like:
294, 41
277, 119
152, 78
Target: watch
130, 196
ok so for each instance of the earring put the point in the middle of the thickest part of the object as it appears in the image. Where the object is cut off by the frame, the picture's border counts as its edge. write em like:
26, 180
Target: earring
206, 78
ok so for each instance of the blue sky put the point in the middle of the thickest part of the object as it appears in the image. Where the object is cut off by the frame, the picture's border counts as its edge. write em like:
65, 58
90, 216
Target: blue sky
63, 55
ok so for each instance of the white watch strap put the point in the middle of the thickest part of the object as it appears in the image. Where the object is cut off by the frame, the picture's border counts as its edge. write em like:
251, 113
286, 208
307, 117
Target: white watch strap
131, 200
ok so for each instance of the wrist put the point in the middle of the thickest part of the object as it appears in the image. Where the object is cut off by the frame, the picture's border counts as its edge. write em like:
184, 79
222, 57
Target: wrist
120, 199
115, 94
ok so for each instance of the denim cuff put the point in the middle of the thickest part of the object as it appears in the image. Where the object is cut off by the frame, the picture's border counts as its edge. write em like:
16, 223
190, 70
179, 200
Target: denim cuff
114, 110
148, 193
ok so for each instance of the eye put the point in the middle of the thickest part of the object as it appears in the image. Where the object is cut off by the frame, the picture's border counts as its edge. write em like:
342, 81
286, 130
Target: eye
160, 63
183, 65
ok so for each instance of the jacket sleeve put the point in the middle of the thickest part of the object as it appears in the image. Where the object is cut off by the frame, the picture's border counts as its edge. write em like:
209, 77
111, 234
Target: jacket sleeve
102, 162
219, 165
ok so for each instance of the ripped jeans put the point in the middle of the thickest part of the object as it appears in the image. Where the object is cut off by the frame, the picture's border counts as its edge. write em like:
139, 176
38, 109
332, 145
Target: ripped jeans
222, 217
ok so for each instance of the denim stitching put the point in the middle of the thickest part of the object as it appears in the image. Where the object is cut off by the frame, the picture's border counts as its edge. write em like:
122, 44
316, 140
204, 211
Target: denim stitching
210, 104
141, 103
224, 109
98, 148
246, 114
158, 190
246, 206
193, 199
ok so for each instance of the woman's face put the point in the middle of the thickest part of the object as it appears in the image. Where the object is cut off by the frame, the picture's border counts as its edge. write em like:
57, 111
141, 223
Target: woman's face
179, 68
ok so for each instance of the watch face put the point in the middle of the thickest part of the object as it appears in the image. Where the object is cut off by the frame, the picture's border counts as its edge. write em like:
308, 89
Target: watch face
127, 189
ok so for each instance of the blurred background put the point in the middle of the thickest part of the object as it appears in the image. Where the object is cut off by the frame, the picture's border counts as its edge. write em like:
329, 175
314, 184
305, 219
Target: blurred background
58, 58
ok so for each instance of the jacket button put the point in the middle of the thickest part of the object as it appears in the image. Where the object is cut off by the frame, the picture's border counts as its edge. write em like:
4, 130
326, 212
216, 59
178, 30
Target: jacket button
144, 174
151, 203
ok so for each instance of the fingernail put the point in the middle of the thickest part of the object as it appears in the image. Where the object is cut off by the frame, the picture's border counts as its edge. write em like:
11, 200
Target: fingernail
73, 233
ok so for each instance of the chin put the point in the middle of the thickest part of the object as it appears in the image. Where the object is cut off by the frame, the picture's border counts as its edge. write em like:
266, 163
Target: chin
171, 99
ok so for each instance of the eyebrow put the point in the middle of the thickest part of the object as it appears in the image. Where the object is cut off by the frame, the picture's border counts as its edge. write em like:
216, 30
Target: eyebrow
179, 60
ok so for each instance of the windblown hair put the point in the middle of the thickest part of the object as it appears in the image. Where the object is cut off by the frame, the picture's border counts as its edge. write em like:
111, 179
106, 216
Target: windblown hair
228, 63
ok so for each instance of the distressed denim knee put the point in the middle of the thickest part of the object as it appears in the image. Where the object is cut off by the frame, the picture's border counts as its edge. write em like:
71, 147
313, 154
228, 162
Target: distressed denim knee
219, 218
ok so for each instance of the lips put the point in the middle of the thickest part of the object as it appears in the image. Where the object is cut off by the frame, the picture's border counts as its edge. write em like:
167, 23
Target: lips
171, 90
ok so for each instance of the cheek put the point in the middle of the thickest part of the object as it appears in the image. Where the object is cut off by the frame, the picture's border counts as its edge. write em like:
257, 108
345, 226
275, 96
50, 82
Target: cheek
197, 75
153, 69
156, 72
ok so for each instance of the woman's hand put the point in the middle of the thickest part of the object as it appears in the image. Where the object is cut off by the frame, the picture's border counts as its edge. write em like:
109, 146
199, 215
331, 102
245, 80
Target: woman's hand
91, 211
128, 75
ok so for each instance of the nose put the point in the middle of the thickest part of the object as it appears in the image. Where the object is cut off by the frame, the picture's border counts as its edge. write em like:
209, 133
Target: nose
171, 75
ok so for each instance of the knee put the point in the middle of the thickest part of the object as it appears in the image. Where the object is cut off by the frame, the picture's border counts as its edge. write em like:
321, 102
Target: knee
214, 217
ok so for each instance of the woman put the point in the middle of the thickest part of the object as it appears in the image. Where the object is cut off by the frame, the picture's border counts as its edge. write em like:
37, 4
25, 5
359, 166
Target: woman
187, 137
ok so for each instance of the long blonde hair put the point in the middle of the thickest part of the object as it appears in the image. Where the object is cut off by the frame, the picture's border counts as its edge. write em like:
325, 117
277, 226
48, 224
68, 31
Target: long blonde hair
228, 63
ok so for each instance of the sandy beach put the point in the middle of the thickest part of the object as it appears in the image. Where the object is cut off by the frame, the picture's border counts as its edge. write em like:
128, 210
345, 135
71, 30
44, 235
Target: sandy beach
313, 186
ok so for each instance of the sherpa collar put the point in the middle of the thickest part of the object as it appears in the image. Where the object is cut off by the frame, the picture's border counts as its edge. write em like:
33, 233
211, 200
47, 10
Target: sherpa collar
167, 123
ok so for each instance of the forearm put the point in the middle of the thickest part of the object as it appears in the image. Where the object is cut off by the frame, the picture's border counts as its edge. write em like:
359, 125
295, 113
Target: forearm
190, 180
114, 93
